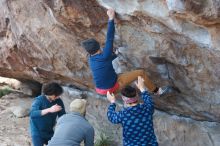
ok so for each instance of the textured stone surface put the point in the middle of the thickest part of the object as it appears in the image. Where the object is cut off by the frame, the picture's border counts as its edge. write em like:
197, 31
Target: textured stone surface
14, 130
176, 41
178, 131
19, 111
170, 130
31, 88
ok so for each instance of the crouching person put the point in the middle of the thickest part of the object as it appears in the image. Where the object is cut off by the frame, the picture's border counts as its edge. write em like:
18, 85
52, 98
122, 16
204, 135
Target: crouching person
44, 112
73, 128
136, 119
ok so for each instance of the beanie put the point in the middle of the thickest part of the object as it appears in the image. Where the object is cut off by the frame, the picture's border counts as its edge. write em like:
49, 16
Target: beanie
90, 45
78, 105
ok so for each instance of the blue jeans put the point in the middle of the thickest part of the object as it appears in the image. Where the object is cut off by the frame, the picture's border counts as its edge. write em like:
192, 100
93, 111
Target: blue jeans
39, 141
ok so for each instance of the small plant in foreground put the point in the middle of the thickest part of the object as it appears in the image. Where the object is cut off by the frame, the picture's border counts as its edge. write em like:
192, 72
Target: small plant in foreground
4, 91
104, 140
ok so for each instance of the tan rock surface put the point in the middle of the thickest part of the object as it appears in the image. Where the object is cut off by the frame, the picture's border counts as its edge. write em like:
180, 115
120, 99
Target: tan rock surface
176, 41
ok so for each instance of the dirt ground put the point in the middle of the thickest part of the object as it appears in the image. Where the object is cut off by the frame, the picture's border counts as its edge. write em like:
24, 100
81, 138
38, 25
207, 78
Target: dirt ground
13, 130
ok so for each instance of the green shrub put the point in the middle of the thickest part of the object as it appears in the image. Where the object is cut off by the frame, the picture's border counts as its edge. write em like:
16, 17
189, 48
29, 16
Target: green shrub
4, 91
104, 140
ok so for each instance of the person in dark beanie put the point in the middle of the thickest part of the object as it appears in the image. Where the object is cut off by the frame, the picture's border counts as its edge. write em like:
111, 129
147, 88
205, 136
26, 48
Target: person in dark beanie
100, 62
136, 118
91, 46
44, 112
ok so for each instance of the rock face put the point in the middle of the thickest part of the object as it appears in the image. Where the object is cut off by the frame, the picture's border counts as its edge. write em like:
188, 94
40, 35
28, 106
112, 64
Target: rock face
31, 88
171, 130
19, 111
176, 41
176, 131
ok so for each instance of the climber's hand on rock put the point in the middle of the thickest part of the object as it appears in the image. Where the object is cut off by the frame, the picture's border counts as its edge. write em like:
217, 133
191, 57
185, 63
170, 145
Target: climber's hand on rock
140, 84
111, 13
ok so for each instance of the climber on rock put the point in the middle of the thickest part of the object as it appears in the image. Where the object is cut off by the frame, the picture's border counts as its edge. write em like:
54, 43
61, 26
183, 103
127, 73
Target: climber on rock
100, 62
136, 118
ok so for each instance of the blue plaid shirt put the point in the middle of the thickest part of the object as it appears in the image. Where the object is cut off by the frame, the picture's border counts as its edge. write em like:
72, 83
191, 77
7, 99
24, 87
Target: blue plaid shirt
137, 122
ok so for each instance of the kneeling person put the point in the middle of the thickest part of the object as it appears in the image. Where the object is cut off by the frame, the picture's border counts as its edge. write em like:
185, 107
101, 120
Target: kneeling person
73, 128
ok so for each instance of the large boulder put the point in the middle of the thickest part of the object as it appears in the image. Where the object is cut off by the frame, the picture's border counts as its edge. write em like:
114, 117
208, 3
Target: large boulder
176, 41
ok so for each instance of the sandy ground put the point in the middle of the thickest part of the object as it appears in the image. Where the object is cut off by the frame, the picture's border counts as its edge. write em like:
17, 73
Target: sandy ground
13, 130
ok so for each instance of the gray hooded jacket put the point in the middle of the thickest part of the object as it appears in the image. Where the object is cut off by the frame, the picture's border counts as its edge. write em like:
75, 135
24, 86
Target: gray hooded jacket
71, 130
